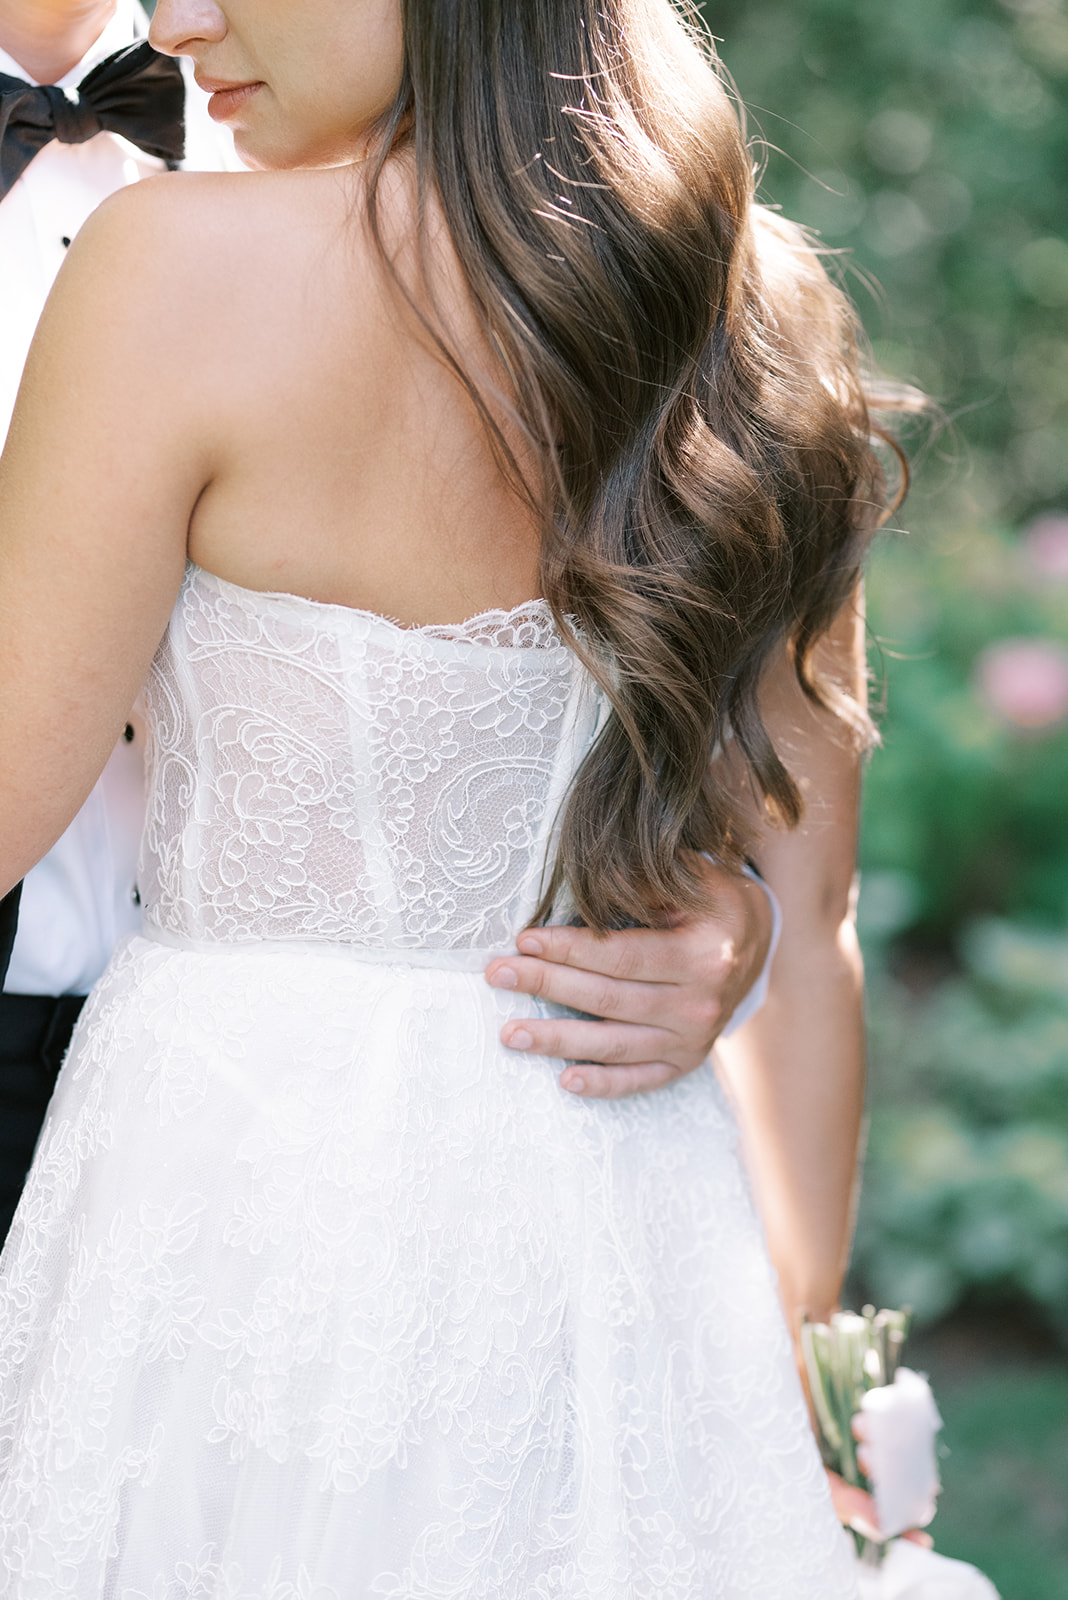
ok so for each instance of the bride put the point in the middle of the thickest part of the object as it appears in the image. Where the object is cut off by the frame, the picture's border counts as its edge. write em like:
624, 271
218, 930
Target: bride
496, 461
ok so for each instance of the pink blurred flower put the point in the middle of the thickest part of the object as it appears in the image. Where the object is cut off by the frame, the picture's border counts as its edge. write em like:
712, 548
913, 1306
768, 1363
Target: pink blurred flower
1025, 681
1046, 545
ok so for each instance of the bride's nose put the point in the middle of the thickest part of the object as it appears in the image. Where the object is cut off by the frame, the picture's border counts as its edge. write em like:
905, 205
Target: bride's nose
179, 25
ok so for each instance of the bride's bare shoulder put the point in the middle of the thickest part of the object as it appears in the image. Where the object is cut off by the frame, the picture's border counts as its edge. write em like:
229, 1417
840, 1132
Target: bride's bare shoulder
194, 244
202, 226
186, 271
183, 272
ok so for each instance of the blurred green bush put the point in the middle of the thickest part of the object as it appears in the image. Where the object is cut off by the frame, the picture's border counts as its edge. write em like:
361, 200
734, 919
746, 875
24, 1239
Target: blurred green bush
927, 142
963, 910
966, 1188
967, 801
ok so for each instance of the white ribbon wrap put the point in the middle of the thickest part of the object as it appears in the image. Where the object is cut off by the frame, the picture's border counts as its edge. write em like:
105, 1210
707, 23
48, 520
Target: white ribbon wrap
901, 1421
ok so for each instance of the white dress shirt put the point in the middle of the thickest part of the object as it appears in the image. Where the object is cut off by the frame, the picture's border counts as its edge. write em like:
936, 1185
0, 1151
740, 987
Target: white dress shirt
82, 897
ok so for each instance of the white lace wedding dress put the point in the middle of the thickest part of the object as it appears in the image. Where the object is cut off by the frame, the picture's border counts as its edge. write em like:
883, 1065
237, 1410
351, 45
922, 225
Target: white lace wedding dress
316, 1291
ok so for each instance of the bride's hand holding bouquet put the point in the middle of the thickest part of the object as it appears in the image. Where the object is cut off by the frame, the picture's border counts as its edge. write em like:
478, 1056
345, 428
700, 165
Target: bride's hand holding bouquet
876, 1423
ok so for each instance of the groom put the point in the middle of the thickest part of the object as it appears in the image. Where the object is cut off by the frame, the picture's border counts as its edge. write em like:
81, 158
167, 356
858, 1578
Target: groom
115, 117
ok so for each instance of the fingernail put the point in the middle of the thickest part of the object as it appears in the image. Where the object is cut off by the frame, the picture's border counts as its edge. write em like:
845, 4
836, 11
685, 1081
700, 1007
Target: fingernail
529, 946
520, 1040
575, 1086
503, 978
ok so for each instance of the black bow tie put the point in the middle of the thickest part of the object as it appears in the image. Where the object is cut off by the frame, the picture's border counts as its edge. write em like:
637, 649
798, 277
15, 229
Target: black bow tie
136, 93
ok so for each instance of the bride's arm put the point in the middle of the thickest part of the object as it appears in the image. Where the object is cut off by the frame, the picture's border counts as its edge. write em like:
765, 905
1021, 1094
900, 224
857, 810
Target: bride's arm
97, 483
796, 1071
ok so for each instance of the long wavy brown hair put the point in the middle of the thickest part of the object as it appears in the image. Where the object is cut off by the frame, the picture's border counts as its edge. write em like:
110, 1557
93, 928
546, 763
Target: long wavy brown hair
685, 377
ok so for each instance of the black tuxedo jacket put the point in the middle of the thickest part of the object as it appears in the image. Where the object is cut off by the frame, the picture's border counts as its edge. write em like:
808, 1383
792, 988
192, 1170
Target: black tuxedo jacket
9, 916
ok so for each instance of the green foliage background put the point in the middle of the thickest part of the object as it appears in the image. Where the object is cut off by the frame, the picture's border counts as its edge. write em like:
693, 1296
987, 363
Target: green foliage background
929, 138
927, 142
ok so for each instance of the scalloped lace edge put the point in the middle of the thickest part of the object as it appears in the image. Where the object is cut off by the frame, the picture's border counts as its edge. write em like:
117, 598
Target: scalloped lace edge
496, 628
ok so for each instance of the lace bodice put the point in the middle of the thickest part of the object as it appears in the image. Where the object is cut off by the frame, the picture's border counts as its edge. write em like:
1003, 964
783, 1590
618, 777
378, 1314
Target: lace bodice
320, 773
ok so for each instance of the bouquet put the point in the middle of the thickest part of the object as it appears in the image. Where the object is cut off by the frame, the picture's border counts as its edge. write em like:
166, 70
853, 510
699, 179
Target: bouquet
877, 1424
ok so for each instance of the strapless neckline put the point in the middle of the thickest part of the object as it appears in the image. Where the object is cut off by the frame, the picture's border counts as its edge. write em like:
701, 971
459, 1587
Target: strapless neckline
527, 626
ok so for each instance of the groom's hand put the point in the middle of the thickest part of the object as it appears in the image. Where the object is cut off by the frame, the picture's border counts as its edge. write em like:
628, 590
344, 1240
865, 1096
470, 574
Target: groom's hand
662, 996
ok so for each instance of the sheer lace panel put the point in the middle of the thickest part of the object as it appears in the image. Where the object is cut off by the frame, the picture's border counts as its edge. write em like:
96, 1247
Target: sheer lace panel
321, 773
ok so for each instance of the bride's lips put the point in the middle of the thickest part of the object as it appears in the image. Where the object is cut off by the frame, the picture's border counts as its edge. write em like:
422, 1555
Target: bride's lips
226, 98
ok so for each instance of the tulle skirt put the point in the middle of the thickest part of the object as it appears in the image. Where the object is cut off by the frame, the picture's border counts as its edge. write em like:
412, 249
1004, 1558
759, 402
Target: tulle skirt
317, 1292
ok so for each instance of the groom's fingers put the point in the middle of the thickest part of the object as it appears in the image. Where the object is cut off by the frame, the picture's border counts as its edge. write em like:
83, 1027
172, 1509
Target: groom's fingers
681, 955
594, 1082
624, 1059
655, 999
654, 1005
606, 1044
605, 1060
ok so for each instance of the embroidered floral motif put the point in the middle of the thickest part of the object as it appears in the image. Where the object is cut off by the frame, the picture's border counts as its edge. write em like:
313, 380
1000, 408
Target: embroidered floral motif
320, 773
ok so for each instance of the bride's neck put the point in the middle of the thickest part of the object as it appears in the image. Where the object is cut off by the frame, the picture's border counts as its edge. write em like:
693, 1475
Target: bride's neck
49, 37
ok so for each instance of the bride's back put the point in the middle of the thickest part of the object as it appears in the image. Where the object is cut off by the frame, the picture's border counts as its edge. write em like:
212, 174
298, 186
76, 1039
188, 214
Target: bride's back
350, 466
685, 380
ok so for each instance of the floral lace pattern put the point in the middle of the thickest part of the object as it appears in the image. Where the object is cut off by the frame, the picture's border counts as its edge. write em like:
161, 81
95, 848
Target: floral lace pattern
316, 1292
319, 773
